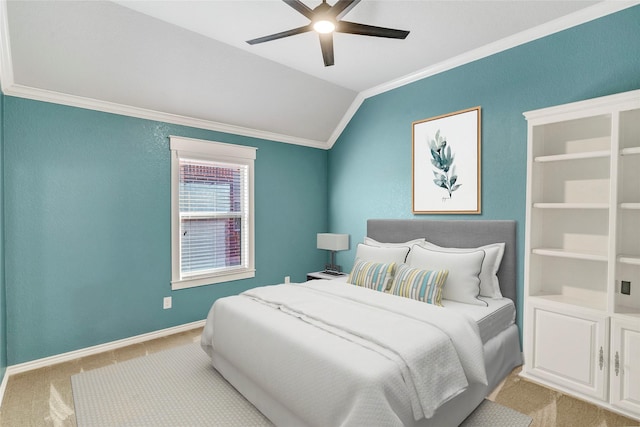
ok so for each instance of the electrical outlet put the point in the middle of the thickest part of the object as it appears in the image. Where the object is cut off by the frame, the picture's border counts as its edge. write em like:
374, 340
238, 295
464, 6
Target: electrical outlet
287, 279
625, 287
166, 302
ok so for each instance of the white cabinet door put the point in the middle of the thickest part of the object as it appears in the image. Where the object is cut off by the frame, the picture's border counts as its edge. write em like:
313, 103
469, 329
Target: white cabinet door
570, 349
625, 364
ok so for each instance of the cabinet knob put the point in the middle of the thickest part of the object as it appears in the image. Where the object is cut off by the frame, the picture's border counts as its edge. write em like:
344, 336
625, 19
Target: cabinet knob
617, 363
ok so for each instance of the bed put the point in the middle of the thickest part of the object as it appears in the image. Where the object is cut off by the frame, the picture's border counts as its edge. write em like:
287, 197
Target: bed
327, 353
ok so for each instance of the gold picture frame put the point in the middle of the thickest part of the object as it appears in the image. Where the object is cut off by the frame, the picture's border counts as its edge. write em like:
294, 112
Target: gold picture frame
446, 163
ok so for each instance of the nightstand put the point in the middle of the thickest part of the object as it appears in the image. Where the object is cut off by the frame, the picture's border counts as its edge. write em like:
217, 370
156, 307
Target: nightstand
322, 275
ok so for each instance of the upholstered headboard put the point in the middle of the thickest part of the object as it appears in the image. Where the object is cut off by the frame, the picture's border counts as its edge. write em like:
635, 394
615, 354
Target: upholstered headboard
458, 234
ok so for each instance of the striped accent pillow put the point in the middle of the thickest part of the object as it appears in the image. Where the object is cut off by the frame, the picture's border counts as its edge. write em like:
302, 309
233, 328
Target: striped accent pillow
373, 275
421, 285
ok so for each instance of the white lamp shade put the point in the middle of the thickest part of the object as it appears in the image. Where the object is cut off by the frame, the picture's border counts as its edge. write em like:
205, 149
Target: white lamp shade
333, 242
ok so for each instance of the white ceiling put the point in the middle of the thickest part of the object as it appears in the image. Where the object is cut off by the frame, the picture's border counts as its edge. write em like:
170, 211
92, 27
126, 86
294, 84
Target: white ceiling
188, 61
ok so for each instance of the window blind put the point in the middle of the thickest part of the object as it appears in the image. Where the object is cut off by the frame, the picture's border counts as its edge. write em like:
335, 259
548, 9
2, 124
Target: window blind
213, 209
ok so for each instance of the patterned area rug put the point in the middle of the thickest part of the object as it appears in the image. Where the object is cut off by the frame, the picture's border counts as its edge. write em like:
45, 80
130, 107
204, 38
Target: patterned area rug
178, 387
492, 414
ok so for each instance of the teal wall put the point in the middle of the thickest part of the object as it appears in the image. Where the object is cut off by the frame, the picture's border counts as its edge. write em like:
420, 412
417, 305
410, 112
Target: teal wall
370, 164
87, 234
3, 304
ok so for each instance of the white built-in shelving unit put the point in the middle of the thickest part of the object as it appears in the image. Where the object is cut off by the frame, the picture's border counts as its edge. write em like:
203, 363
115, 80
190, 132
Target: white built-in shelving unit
581, 333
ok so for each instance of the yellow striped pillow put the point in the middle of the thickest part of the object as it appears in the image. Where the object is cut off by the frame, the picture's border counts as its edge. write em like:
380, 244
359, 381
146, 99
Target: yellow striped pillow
373, 275
421, 285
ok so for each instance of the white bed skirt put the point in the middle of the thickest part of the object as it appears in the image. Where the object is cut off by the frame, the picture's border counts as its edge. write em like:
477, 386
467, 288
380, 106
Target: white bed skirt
502, 355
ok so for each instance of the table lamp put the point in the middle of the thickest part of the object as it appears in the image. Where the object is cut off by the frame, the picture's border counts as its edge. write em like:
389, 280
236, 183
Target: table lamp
333, 242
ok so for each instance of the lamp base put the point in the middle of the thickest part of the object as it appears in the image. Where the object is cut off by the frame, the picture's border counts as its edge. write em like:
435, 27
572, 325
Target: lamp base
333, 269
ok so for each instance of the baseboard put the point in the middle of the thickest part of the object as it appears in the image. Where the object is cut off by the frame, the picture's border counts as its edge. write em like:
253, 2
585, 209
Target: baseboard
89, 351
3, 386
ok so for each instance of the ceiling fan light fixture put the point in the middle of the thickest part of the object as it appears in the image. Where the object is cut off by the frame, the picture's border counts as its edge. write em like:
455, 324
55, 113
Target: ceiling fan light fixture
325, 20
324, 26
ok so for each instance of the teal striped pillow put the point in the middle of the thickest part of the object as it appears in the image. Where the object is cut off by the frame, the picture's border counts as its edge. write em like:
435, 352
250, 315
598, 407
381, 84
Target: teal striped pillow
373, 275
421, 285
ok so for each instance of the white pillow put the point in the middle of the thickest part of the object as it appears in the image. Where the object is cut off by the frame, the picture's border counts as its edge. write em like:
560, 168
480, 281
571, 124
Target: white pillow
489, 284
463, 282
383, 255
369, 241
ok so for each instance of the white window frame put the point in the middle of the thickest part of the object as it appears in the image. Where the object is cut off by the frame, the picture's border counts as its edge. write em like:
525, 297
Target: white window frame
196, 149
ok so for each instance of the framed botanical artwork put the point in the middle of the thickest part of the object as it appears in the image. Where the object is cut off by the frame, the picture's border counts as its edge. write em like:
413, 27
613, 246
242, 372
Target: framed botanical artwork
446, 164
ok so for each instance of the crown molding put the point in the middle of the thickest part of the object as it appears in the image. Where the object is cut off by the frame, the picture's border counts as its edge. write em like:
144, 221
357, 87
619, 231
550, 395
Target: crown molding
142, 113
596, 11
9, 87
591, 13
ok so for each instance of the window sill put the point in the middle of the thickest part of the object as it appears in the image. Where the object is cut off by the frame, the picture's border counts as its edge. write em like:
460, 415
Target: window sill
210, 280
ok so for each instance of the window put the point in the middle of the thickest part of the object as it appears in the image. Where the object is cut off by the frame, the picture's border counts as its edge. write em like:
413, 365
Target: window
211, 212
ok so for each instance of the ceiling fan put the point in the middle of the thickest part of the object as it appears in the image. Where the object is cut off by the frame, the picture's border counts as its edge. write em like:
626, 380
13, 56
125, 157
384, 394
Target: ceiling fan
326, 19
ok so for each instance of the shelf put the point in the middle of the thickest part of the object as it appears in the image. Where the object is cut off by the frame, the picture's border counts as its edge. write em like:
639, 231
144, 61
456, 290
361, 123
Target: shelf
574, 156
627, 311
572, 205
595, 304
630, 151
631, 260
630, 205
561, 253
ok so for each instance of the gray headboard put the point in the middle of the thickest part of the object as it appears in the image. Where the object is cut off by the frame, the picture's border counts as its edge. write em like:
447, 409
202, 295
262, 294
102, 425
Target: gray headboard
459, 234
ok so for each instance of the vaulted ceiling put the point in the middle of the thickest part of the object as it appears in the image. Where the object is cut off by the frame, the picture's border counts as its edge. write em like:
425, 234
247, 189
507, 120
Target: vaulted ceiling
188, 62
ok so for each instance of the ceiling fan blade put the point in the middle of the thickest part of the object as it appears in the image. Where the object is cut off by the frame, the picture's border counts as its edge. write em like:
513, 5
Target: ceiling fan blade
343, 7
370, 30
300, 7
281, 35
326, 44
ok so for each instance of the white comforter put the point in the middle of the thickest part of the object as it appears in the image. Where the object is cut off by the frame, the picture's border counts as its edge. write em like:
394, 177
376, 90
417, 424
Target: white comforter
337, 354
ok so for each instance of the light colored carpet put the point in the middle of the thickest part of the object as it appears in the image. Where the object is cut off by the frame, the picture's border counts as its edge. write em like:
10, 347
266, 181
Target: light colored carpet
178, 387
